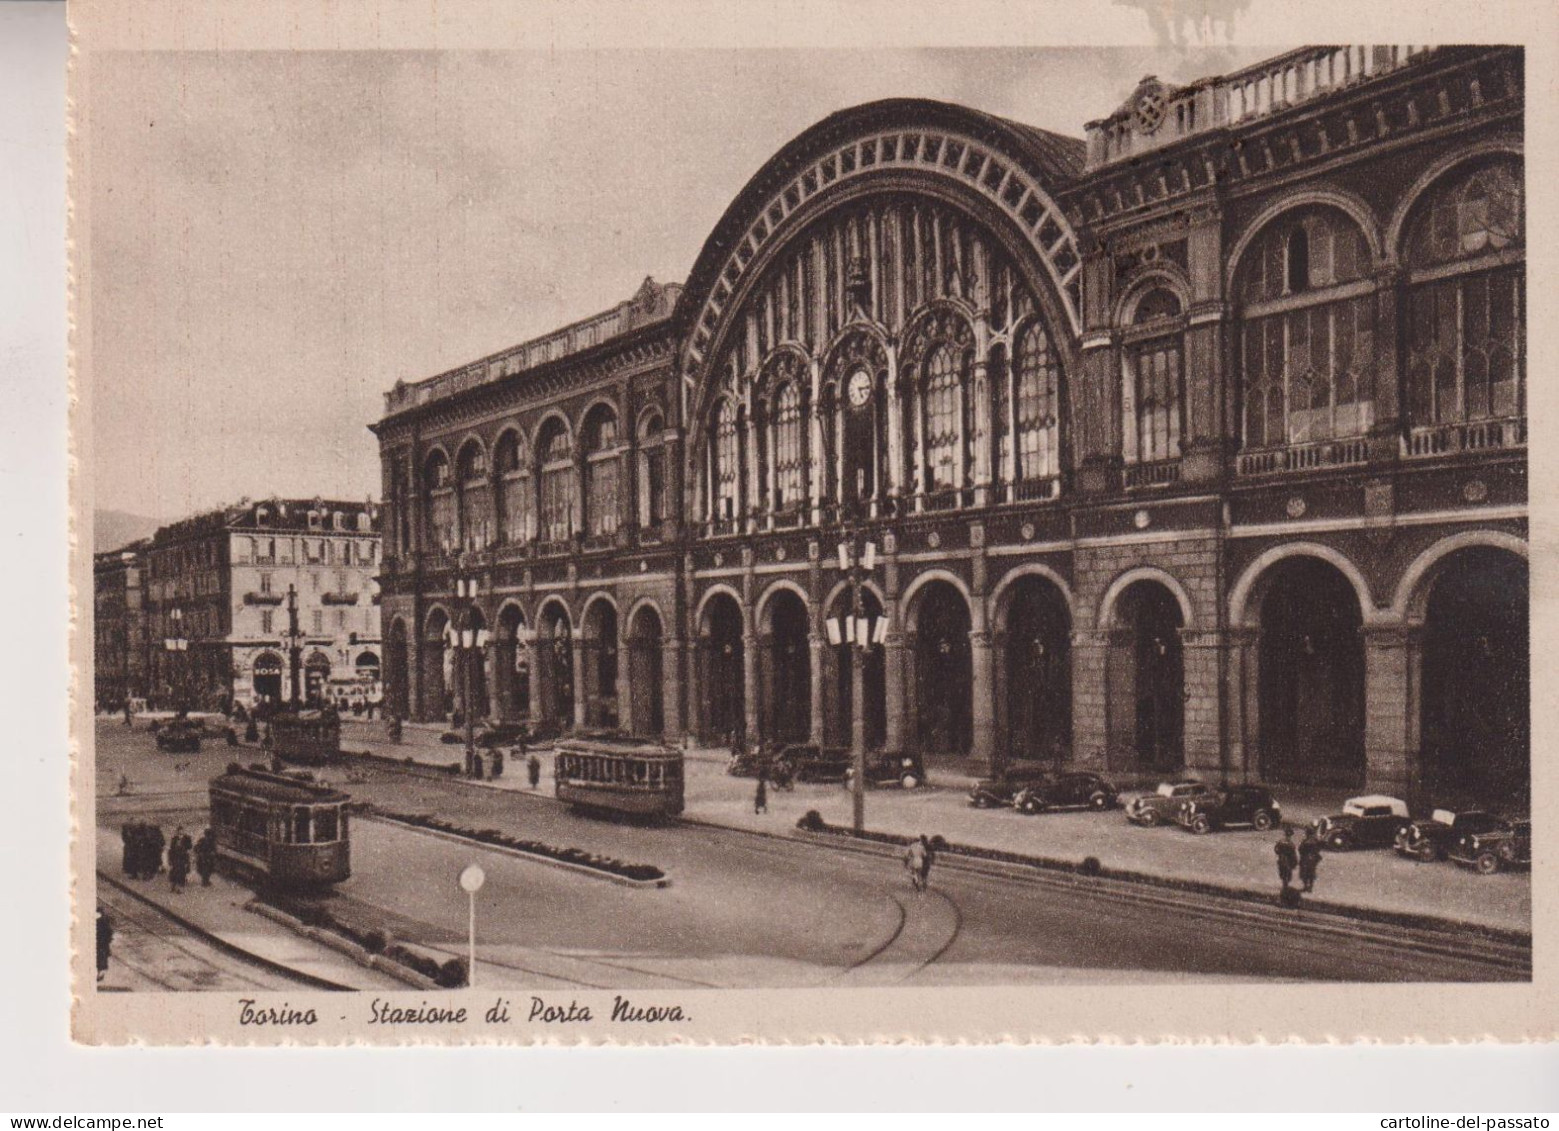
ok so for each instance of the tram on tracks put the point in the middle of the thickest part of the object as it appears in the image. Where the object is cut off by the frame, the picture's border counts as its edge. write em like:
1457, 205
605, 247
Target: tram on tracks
280, 830
638, 777
306, 738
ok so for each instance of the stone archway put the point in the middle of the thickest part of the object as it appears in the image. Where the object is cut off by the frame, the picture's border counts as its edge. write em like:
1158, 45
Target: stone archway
397, 673
1145, 677
600, 659
722, 707
1475, 723
1035, 652
512, 661
553, 666
1310, 694
268, 675
437, 699
944, 670
785, 670
647, 710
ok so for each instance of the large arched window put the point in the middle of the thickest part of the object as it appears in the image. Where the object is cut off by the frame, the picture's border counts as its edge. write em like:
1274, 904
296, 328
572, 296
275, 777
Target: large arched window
1307, 337
439, 503
1466, 376
942, 389
516, 492
601, 472
652, 473
788, 453
1153, 386
725, 465
557, 482
475, 514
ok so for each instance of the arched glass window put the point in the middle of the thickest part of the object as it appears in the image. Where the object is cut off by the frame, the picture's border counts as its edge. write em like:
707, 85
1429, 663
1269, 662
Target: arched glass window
1465, 332
601, 463
652, 473
438, 504
943, 433
1307, 332
1038, 377
789, 462
725, 464
475, 516
557, 483
515, 504
1153, 392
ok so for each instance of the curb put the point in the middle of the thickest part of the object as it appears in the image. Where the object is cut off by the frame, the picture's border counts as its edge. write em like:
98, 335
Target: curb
535, 858
343, 945
222, 944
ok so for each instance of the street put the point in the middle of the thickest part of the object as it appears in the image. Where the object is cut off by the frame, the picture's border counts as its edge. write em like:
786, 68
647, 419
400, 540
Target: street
758, 911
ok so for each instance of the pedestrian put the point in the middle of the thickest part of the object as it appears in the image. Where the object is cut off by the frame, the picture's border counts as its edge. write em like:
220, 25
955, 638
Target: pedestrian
929, 853
105, 942
127, 833
155, 843
760, 800
533, 770
178, 859
915, 863
1288, 857
497, 761
1309, 859
206, 857
129, 715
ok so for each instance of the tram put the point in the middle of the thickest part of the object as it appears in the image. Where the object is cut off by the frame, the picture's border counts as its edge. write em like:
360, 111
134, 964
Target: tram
306, 738
279, 829
620, 775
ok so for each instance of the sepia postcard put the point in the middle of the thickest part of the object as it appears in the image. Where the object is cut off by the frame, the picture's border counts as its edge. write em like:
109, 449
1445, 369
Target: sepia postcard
704, 522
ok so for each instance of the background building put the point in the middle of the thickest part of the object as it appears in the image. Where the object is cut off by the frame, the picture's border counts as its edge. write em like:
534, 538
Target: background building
220, 581
120, 658
1199, 444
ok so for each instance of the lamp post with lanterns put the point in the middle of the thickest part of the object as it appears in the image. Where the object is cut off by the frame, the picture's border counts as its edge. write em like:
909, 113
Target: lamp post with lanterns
468, 642
857, 636
292, 640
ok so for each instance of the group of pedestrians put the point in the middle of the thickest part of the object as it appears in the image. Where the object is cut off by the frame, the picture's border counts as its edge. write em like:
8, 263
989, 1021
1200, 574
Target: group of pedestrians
1305, 858
144, 845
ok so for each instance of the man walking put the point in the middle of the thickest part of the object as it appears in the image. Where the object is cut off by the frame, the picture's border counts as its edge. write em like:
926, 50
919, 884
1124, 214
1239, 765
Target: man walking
1288, 857
206, 857
760, 801
533, 770
178, 859
1309, 859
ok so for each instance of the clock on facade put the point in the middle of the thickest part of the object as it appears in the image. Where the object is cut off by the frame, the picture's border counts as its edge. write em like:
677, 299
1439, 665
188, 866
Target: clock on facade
859, 389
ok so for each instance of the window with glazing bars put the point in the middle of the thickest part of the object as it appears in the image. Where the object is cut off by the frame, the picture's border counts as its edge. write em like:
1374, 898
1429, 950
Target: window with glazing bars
941, 418
789, 468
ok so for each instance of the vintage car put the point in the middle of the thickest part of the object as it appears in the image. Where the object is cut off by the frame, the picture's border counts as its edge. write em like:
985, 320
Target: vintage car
494, 735
1000, 790
179, 737
1251, 805
1066, 791
809, 763
1432, 839
1371, 821
1162, 805
1508, 845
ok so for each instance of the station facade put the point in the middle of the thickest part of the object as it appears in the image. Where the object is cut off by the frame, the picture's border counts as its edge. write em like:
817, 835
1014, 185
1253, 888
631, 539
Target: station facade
1195, 445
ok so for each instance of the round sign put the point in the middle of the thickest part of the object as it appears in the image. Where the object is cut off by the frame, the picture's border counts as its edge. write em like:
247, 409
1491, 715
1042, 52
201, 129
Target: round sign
472, 878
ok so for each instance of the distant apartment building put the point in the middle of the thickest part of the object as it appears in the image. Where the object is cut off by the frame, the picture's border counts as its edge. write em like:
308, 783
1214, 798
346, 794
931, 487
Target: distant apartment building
215, 603
118, 635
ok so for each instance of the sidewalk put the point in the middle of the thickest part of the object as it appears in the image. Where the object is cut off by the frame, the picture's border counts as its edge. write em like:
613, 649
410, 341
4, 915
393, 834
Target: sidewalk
1375, 879
219, 911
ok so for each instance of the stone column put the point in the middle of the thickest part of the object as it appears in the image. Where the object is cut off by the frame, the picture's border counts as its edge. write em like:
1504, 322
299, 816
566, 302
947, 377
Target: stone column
1090, 700
750, 687
815, 656
538, 682
490, 666
983, 731
1243, 692
672, 656
1200, 677
581, 685
1393, 670
625, 684
893, 672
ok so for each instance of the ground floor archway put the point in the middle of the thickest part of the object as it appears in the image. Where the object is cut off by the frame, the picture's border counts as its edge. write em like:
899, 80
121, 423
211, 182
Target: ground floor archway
786, 671
1475, 726
943, 670
554, 666
1036, 672
267, 677
1311, 676
437, 699
511, 658
646, 672
1145, 676
600, 659
720, 659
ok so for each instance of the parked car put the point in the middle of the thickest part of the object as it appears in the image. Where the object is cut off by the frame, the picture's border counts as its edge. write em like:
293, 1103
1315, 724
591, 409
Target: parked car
1066, 791
1251, 805
1000, 790
494, 735
1162, 805
1371, 821
1508, 845
810, 763
1432, 839
179, 737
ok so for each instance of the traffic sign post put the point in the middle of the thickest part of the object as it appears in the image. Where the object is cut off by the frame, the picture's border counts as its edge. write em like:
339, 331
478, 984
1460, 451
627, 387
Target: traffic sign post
471, 880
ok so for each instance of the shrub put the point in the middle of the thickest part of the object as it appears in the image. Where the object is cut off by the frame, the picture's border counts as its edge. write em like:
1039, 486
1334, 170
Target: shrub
449, 738
374, 941
1090, 866
939, 843
812, 821
452, 974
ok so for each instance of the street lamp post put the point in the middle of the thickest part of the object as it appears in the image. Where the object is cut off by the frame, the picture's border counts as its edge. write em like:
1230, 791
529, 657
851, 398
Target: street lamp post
293, 639
468, 640
857, 558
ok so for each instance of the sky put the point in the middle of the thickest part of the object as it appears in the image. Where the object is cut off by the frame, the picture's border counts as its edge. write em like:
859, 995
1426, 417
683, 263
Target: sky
279, 237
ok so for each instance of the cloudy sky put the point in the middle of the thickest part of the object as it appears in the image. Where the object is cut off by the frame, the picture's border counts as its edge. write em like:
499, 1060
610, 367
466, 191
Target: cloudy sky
278, 237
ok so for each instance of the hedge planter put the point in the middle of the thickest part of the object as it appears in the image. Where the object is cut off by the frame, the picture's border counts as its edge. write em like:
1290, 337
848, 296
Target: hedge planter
370, 947
573, 859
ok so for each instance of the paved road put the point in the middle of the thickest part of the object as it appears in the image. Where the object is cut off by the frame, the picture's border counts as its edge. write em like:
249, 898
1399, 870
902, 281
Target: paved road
762, 911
